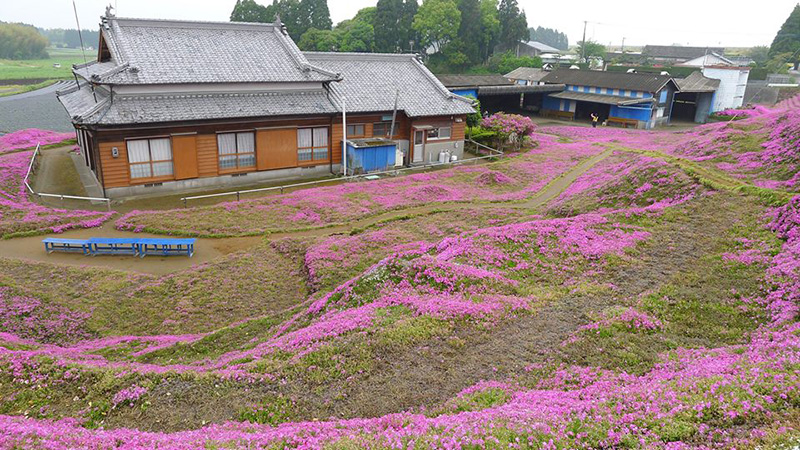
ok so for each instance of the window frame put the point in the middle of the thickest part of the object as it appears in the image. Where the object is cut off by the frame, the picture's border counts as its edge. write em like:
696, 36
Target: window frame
237, 154
438, 136
314, 148
388, 126
356, 135
150, 162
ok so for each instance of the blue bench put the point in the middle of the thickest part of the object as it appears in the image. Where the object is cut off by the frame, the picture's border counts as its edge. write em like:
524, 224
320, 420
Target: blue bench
67, 245
122, 246
113, 246
166, 247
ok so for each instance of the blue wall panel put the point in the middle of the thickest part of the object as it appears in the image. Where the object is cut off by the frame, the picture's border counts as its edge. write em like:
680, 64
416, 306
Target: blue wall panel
466, 92
626, 112
551, 103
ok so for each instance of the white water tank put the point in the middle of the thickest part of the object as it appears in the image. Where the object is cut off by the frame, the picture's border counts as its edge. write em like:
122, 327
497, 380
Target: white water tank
454, 158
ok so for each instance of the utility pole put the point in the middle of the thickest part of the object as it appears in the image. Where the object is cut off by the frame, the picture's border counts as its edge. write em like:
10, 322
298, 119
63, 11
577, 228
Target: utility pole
583, 43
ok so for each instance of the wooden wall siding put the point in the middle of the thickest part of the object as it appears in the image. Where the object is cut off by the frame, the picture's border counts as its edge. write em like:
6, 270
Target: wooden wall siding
276, 148
207, 157
459, 129
184, 155
115, 170
336, 142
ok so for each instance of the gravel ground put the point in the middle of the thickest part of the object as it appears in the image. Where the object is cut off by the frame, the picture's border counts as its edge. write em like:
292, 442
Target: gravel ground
35, 109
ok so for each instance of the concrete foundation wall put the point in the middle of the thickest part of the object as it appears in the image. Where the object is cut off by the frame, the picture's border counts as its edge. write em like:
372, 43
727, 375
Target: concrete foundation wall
432, 150
292, 175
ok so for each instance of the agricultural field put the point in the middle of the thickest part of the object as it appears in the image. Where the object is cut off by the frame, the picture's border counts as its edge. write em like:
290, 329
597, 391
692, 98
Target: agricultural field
600, 288
42, 69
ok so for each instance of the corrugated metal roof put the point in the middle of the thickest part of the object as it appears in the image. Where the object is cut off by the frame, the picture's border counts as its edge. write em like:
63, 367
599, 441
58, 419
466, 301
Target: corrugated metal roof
520, 89
371, 81
526, 73
696, 82
544, 48
599, 98
170, 52
472, 81
644, 82
678, 52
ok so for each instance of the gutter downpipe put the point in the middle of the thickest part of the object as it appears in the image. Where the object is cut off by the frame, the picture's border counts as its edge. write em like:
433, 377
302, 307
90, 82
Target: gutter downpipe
344, 135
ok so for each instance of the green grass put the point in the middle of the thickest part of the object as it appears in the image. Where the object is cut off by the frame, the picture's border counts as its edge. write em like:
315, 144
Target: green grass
21, 89
42, 69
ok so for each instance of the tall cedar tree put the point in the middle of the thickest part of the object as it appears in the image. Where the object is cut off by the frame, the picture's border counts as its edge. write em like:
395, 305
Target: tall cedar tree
249, 11
470, 29
549, 36
788, 38
298, 15
513, 24
490, 28
392, 25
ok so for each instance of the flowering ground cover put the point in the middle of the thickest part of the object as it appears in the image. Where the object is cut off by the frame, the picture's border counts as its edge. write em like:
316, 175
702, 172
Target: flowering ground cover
508, 180
28, 139
19, 215
637, 309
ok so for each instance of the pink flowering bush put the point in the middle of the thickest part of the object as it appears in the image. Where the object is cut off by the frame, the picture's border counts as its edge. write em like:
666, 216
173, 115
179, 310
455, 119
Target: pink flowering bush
18, 214
29, 318
29, 138
510, 128
128, 396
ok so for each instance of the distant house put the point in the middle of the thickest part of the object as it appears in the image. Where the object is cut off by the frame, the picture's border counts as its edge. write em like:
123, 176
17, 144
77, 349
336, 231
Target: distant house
673, 54
622, 99
173, 105
534, 48
526, 75
732, 76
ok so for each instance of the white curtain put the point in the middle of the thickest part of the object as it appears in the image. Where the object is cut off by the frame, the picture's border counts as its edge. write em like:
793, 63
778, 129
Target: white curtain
246, 142
226, 143
138, 151
304, 138
320, 137
160, 149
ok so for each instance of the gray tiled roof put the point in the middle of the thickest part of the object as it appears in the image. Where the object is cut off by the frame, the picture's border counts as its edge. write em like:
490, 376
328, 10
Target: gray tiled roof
645, 82
82, 108
168, 52
372, 81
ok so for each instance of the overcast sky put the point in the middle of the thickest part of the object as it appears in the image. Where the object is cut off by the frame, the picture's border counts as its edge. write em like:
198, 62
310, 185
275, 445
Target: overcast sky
686, 22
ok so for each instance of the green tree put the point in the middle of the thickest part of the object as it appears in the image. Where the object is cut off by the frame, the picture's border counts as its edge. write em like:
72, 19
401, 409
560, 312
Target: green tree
315, 14
355, 36
788, 38
759, 54
18, 41
315, 40
513, 24
506, 62
549, 36
469, 29
490, 28
392, 25
437, 23
592, 49
249, 11
409, 36
388, 14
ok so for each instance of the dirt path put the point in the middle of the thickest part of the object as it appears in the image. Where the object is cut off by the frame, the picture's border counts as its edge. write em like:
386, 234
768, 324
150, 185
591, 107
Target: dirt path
31, 248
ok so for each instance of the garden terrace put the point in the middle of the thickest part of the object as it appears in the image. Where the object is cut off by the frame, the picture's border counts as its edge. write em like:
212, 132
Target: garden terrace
597, 289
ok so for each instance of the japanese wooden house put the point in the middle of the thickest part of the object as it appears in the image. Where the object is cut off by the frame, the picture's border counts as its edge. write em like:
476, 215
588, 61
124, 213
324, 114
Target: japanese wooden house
172, 106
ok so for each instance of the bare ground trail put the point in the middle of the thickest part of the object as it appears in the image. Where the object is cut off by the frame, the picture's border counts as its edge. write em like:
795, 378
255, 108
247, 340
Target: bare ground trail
207, 249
